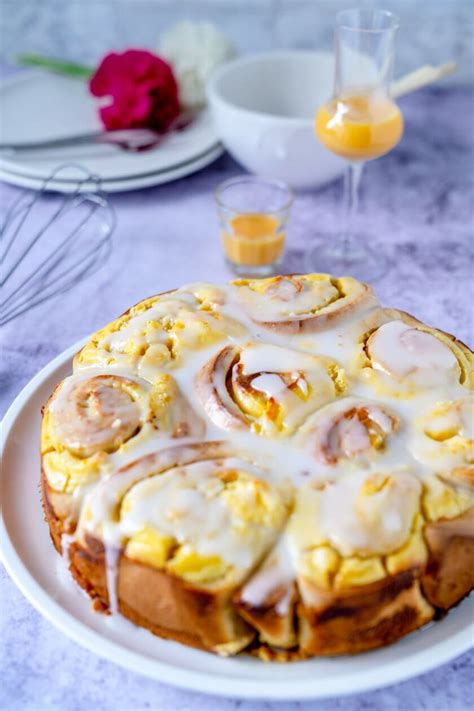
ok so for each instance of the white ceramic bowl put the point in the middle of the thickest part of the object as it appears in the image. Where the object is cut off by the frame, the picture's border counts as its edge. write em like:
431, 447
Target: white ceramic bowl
264, 107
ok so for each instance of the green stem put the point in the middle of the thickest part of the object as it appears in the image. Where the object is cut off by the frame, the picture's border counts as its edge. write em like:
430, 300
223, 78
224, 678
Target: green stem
71, 69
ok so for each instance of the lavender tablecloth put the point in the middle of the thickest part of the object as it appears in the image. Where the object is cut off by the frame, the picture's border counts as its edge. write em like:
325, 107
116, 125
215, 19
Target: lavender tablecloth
418, 210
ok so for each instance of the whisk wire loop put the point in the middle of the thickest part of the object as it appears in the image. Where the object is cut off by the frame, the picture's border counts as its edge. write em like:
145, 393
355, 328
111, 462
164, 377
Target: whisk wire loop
71, 243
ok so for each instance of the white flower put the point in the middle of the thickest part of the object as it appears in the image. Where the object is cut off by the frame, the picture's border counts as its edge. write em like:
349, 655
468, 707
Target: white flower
194, 49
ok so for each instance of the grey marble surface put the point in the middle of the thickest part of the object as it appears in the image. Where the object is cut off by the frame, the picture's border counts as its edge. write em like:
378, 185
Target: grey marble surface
417, 205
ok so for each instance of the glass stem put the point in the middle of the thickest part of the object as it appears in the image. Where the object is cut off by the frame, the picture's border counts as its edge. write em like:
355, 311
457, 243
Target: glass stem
351, 204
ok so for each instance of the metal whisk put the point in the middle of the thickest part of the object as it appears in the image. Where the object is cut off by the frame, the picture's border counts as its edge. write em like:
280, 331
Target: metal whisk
47, 248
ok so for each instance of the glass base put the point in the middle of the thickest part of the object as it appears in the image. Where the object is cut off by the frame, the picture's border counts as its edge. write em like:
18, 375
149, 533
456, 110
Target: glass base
356, 260
252, 272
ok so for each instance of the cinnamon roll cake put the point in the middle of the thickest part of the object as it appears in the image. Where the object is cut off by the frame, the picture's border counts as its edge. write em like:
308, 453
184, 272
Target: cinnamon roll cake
279, 466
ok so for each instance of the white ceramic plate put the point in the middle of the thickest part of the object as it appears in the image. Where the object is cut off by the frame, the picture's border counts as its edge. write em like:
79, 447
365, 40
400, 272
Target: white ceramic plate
34, 565
40, 106
118, 186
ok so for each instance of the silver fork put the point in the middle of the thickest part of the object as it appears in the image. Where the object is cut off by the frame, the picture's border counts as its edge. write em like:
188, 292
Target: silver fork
129, 139
136, 139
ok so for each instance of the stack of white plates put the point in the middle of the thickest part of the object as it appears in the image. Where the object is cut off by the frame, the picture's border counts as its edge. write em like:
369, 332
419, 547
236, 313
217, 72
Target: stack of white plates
39, 106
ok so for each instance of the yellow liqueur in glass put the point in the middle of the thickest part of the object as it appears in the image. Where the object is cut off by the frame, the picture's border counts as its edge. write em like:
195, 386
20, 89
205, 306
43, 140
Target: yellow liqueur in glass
360, 122
253, 239
360, 126
253, 215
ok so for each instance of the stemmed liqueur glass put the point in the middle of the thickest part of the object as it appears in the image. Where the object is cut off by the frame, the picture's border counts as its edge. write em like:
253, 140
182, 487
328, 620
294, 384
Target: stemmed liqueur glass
360, 122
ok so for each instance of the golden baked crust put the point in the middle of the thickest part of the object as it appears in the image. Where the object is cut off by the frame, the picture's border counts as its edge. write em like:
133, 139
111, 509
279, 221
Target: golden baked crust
162, 603
357, 620
279, 466
449, 574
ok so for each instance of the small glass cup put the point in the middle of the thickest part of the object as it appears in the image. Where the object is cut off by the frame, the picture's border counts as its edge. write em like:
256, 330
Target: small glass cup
253, 217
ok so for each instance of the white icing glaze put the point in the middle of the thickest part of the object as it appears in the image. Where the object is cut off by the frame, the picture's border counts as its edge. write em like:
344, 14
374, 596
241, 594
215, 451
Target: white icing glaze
357, 519
277, 573
264, 357
164, 334
295, 384
283, 299
271, 384
63, 572
66, 541
353, 437
112, 559
443, 437
353, 523
406, 352
465, 418
189, 503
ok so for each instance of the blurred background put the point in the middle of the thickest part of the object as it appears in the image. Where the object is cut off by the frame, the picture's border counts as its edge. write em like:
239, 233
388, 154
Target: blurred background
432, 31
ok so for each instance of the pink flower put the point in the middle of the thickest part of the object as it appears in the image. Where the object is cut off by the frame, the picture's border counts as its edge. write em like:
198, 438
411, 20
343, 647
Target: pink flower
142, 88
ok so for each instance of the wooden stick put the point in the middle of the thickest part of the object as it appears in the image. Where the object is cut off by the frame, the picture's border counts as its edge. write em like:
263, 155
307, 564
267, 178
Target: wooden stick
423, 76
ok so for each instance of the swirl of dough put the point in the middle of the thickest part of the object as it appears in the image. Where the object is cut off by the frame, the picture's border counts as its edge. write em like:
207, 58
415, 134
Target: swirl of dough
88, 419
405, 355
96, 414
302, 303
404, 352
266, 388
348, 429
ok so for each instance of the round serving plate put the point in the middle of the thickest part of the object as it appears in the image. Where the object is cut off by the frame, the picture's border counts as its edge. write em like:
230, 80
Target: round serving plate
39, 572
118, 186
40, 106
